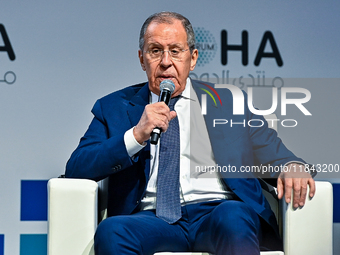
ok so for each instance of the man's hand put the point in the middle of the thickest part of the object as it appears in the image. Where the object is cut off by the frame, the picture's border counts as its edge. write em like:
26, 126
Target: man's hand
296, 179
154, 115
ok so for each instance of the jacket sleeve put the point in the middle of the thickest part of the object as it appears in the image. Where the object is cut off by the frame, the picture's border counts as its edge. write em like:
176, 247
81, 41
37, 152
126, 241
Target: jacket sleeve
270, 153
101, 151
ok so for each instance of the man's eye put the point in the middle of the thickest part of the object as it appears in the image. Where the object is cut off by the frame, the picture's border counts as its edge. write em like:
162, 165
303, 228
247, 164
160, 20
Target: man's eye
175, 52
156, 51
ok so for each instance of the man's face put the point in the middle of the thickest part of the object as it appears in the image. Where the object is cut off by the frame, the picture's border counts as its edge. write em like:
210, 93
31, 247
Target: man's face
167, 37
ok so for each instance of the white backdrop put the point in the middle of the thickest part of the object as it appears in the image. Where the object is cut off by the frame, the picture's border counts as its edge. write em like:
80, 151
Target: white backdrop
70, 53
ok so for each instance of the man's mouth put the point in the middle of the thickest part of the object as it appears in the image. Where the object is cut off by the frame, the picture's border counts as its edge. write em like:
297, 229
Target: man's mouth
166, 77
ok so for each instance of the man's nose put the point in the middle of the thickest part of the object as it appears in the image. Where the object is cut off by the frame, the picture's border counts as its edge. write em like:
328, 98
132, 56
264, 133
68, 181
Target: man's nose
166, 60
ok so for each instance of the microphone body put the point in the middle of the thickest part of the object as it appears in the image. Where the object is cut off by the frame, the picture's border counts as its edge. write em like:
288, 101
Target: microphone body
166, 87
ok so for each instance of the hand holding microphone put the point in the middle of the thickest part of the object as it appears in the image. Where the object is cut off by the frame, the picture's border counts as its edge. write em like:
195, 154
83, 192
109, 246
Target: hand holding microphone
166, 88
156, 117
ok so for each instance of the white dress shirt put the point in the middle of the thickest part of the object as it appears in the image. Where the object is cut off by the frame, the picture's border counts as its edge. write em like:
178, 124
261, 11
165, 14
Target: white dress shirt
196, 186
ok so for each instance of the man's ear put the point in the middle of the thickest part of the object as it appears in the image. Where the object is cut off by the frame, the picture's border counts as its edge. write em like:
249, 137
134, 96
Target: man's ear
194, 57
141, 59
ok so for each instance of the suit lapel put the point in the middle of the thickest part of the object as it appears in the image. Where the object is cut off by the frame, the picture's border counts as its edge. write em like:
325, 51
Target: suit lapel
137, 104
134, 111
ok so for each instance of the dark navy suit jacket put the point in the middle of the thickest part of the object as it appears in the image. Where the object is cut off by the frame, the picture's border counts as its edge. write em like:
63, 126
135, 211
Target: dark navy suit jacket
102, 153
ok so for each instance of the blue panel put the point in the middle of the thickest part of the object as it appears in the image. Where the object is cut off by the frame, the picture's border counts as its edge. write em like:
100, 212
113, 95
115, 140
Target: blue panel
33, 200
336, 201
2, 244
33, 244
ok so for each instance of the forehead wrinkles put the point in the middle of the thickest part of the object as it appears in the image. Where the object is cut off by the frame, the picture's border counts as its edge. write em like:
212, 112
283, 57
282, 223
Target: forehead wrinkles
173, 33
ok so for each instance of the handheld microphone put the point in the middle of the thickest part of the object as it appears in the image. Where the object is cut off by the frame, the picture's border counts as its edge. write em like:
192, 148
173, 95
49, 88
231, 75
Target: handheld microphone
166, 87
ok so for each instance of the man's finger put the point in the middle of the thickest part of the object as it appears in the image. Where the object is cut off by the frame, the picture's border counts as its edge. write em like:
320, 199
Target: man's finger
279, 188
288, 189
303, 191
297, 192
312, 187
173, 115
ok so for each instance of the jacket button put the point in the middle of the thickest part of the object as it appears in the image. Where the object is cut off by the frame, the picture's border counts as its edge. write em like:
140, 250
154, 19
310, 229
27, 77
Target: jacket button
115, 168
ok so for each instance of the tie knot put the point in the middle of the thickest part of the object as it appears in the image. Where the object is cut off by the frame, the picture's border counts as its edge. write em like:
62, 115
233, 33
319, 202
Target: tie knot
172, 102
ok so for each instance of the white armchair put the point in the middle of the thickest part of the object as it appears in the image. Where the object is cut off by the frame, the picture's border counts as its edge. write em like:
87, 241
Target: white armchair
75, 207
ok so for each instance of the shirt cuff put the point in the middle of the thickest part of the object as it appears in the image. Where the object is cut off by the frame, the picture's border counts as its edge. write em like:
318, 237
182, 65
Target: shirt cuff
296, 162
131, 144
309, 168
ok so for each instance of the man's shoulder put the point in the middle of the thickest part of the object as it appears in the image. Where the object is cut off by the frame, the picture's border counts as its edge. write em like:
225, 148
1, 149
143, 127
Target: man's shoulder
123, 94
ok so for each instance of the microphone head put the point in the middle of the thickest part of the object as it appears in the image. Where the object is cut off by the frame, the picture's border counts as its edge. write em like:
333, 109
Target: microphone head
167, 85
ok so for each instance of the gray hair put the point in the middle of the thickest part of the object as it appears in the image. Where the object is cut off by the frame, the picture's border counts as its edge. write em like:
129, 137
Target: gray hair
167, 17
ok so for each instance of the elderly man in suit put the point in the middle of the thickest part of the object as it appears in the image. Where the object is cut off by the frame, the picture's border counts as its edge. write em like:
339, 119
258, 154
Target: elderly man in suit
155, 203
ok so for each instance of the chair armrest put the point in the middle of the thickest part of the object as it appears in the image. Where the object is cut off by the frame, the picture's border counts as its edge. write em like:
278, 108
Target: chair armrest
308, 230
72, 215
